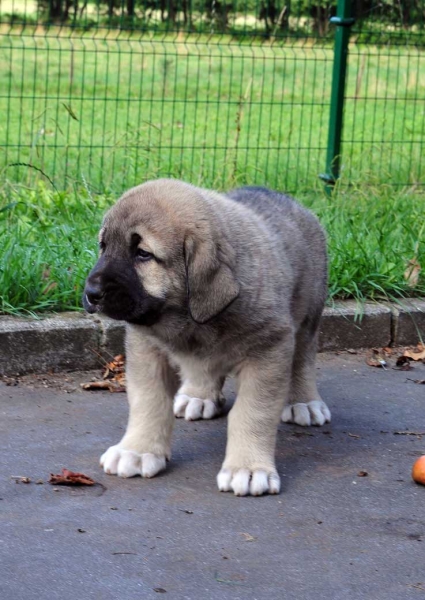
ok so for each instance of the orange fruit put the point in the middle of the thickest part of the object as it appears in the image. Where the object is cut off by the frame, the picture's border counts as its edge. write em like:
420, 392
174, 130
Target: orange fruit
418, 471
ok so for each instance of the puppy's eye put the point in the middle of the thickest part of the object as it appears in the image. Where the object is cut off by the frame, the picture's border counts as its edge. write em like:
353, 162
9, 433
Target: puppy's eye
102, 245
143, 255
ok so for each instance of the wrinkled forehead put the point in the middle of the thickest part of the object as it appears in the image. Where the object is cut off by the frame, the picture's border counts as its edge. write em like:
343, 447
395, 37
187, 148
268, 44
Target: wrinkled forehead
146, 216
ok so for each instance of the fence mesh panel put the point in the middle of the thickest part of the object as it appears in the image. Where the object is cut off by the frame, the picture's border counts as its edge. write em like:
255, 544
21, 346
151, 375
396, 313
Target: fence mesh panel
384, 131
109, 94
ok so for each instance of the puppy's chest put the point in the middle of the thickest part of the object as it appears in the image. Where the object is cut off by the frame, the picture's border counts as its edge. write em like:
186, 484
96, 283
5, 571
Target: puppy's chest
208, 347
201, 344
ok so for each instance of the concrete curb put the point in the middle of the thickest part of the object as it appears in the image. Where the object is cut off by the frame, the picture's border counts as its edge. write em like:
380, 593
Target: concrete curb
73, 341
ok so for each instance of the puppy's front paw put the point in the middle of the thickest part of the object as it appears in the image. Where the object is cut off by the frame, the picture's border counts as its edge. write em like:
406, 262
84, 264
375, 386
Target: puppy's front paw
307, 413
244, 482
127, 463
193, 409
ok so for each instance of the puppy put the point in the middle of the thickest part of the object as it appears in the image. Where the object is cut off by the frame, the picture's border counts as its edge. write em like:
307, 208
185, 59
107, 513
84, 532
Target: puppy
210, 285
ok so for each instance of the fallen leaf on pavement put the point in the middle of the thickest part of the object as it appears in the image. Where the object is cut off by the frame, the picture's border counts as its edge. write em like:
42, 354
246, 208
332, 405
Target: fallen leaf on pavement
374, 362
248, 537
362, 474
115, 366
377, 360
70, 478
419, 355
113, 378
420, 381
109, 384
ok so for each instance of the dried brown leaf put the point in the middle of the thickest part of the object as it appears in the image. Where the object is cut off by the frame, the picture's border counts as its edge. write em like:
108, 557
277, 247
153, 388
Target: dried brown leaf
120, 379
109, 384
68, 477
376, 362
415, 355
113, 378
116, 365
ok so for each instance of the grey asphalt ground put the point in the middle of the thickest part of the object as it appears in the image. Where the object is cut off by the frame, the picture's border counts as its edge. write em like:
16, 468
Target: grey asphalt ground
330, 534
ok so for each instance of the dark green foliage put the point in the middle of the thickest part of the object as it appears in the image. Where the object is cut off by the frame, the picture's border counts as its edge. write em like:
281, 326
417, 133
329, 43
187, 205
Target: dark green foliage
264, 17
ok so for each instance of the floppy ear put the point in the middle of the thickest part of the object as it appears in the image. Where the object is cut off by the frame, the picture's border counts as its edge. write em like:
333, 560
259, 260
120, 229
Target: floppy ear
211, 283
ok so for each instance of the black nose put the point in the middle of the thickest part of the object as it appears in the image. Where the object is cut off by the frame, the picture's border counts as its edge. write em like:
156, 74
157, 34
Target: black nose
94, 293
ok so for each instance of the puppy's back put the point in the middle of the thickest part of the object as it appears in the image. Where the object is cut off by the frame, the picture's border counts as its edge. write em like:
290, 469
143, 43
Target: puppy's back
296, 233
276, 208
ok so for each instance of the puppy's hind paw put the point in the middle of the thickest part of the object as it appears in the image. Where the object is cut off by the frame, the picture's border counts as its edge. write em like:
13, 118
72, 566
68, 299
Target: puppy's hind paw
127, 463
243, 482
307, 413
193, 409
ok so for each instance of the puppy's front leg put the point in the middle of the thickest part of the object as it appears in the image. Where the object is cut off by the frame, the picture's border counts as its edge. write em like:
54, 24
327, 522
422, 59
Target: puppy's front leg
249, 466
151, 385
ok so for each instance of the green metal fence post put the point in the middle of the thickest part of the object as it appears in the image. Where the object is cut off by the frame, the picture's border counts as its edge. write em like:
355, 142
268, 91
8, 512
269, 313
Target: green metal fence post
343, 22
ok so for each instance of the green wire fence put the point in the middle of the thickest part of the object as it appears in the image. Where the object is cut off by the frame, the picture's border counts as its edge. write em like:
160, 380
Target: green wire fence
271, 92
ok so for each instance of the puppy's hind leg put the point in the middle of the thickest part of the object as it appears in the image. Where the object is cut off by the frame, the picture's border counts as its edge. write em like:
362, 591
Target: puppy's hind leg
305, 406
199, 396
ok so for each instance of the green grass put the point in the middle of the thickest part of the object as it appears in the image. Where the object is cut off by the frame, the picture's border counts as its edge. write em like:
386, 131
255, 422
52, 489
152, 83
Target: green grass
49, 244
115, 112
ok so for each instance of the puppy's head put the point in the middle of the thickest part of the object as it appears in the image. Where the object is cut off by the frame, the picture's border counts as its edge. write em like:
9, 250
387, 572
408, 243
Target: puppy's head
162, 250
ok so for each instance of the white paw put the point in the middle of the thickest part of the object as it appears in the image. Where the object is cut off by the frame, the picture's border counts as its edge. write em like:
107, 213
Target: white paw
126, 463
193, 409
244, 482
308, 413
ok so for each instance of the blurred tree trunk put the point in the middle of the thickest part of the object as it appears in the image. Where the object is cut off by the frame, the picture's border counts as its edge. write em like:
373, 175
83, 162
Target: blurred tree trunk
130, 7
